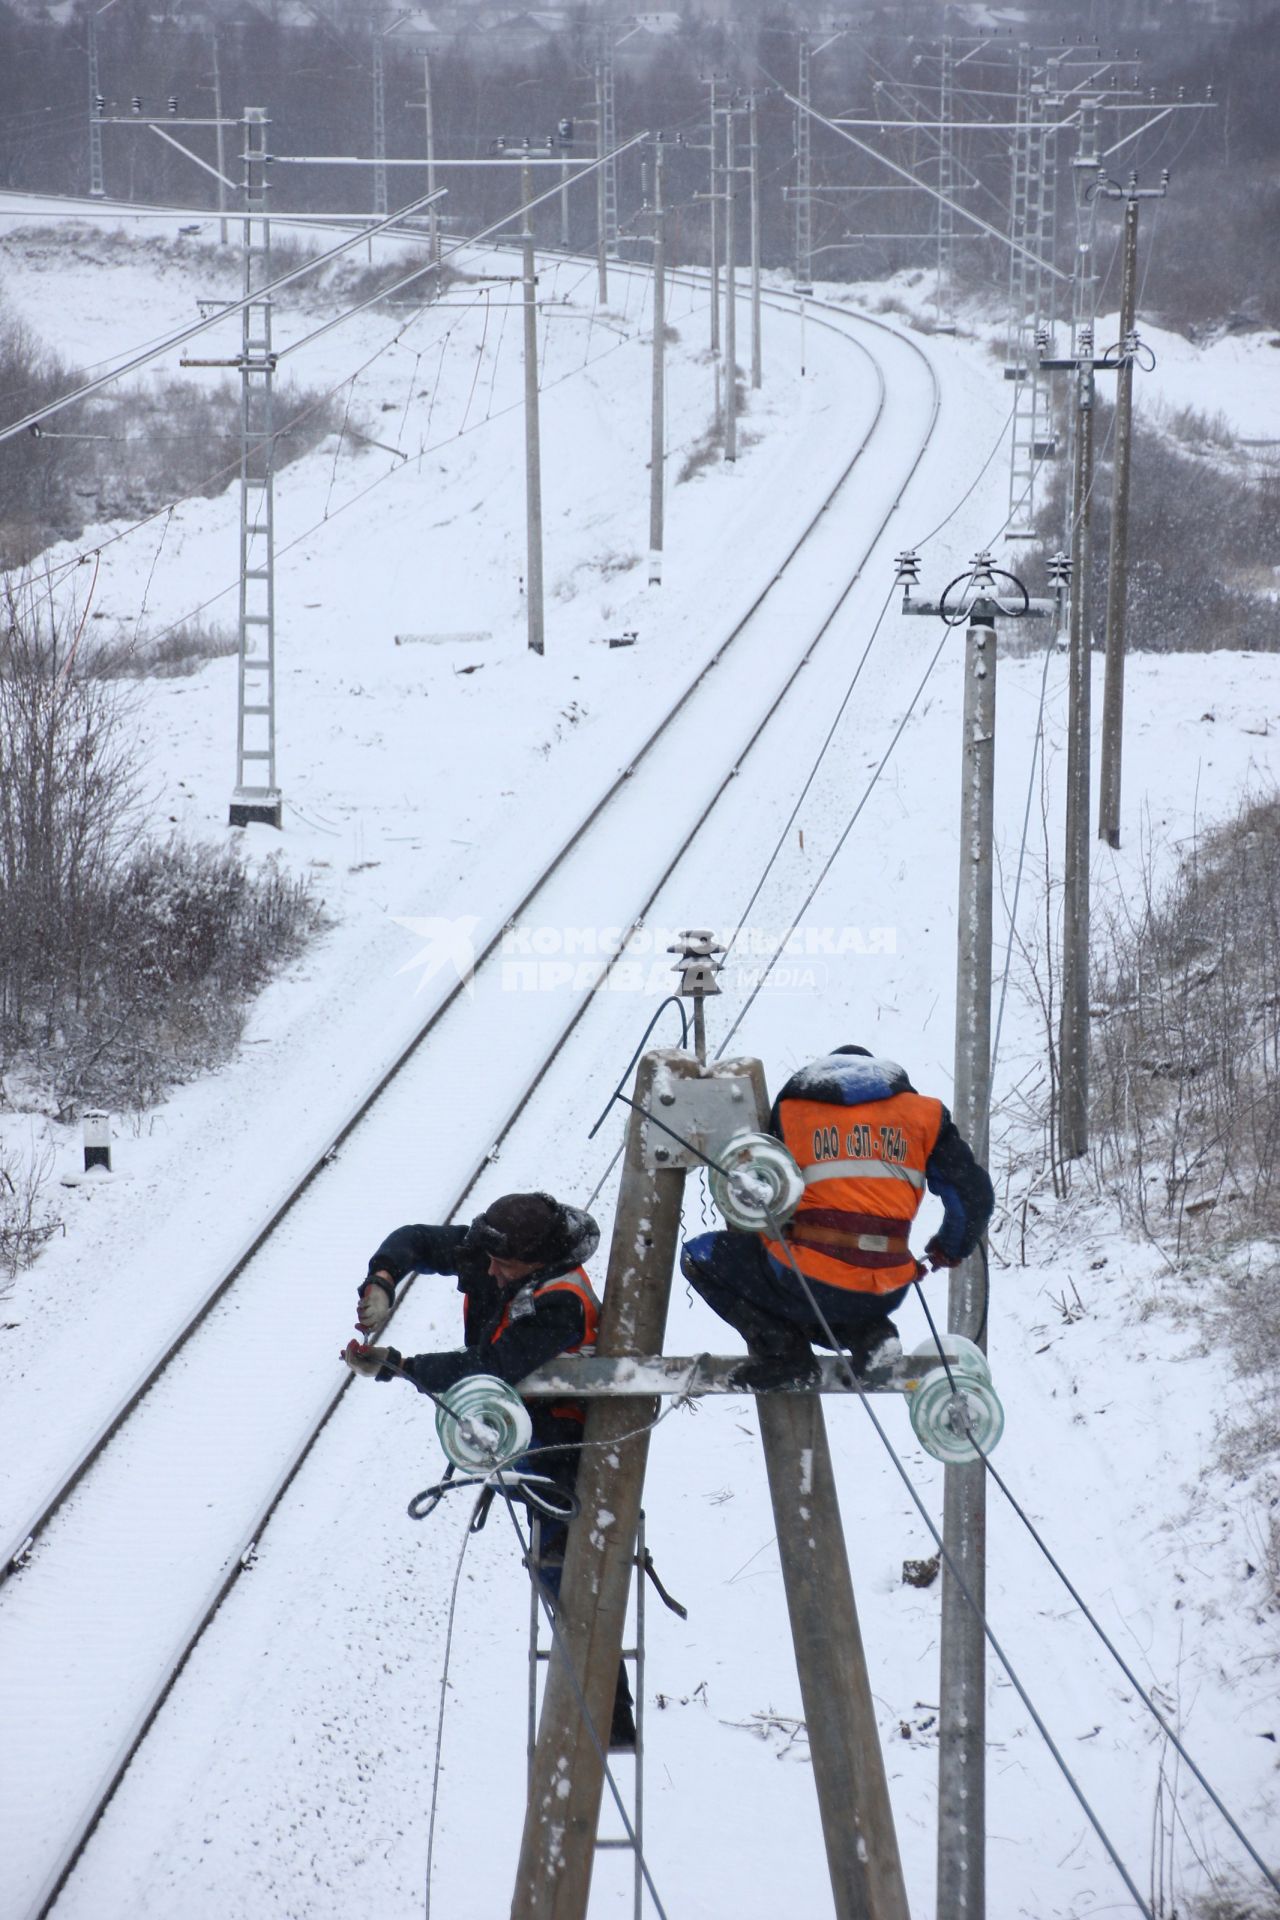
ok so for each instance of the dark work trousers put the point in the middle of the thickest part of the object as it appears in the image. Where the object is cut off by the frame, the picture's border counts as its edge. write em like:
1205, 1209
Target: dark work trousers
766, 1302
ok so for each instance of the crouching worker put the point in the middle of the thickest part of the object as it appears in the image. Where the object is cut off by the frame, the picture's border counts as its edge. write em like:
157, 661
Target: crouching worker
526, 1297
868, 1146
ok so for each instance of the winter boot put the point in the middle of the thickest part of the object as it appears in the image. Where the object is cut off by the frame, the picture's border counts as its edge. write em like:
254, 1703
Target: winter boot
874, 1348
622, 1727
776, 1365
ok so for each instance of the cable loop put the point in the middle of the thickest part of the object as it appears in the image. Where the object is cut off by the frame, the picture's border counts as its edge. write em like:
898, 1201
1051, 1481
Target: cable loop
963, 580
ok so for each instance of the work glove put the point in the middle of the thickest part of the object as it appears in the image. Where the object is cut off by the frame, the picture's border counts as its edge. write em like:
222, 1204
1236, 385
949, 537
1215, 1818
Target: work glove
374, 1305
936, 1258
375, 1363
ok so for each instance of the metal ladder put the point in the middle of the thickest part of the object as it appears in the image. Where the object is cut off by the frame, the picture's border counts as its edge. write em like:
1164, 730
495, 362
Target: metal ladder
257, 795
1031, 291
635, 1654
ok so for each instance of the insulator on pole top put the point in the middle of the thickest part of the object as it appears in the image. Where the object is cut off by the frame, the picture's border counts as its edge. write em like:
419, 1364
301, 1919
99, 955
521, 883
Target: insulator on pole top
697, 965
907, 573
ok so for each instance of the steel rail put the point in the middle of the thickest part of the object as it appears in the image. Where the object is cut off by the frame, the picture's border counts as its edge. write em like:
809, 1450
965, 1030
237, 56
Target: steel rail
242, 1554
21, 1544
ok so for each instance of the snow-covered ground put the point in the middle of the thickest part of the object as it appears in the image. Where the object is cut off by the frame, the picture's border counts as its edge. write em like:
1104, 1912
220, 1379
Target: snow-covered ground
291, 1771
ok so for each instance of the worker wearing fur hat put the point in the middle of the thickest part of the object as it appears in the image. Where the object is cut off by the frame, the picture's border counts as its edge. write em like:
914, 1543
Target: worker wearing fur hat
526, 1297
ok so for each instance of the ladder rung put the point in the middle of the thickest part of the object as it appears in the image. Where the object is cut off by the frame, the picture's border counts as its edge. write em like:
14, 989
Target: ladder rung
255, 753
256, 573
256, 620
255, 709
257, 666
622, 1841
258, 527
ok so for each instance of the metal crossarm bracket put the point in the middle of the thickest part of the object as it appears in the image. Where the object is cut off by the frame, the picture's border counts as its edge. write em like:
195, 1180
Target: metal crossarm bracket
597, 1378
692, 1119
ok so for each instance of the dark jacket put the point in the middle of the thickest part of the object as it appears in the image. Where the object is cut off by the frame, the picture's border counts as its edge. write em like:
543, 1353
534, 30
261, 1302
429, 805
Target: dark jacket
541, 1322
952, 1173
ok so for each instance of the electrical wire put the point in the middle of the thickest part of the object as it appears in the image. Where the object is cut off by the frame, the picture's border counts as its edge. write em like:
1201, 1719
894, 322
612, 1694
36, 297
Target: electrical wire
839, 846
444, 1685
975, 1606
831, 1341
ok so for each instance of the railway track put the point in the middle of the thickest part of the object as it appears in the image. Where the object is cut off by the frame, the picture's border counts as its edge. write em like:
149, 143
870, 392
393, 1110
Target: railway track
116, 1563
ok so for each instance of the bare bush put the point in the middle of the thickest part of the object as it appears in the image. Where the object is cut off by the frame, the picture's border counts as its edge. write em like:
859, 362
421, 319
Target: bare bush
25, 1219
1186, 1110
1187, 1048
1235, 1903
40, 479
181, 650
1218, 222
66, 796
356, 285
1183, 505
191, 933
182, 440
124, 966
124, 452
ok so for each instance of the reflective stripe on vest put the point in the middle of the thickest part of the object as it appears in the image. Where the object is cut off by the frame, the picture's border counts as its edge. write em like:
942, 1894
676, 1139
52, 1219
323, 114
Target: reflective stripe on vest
860, 1170
864, 1175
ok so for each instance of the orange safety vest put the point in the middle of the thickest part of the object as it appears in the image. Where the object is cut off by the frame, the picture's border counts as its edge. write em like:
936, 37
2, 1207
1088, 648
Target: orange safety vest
864, 1179
577, 1283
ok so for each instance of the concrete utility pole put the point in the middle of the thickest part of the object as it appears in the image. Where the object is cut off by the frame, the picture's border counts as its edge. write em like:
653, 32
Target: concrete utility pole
962, 1754
1118, 564
222, 161
945, 294
757, 373
433, 219
658, 430
532, 451
713, 208
962, 1696
1073, 1031
730, 293
835, 1691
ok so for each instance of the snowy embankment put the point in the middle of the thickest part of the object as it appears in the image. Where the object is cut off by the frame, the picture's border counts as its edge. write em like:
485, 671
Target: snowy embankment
291, 1772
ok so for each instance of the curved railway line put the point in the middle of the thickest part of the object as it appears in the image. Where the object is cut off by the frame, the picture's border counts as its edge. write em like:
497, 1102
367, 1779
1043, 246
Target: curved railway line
116, 1561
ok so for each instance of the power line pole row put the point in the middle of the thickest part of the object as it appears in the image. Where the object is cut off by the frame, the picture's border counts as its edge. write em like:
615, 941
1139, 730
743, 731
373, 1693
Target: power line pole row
962, 1695
1118, 563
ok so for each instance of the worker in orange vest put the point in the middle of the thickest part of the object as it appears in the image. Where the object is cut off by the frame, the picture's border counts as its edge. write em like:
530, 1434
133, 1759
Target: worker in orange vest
526, 1297
868, 1146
